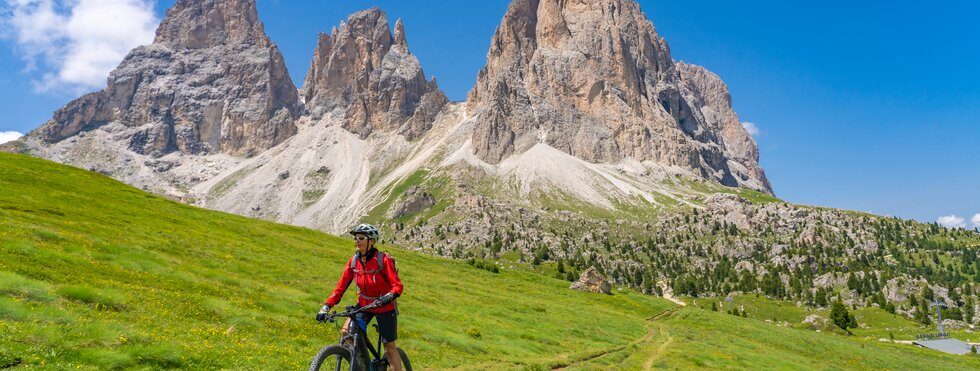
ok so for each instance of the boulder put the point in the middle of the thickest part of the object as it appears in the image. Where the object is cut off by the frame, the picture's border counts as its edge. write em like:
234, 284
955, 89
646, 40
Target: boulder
592, 281
816, 322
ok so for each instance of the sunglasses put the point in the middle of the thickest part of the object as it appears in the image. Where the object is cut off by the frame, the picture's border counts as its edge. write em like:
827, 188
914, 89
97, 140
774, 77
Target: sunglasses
360, 238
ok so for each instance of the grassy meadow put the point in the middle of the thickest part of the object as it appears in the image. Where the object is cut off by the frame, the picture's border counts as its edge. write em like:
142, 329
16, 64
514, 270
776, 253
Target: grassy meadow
698, 338
873, 323
97, 275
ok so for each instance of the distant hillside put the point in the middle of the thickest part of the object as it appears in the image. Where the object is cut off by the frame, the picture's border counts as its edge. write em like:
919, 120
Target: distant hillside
696, 238
95, 274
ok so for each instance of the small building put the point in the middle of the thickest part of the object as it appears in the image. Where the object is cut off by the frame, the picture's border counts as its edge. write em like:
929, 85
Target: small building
951, 346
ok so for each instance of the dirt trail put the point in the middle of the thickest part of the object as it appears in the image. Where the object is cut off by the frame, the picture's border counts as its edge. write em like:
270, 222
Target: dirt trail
652, 330
648, 365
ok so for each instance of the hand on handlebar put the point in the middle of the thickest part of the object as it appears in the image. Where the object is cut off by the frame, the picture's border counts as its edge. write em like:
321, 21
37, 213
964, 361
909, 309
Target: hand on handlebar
321, 316
324, 316
384, 299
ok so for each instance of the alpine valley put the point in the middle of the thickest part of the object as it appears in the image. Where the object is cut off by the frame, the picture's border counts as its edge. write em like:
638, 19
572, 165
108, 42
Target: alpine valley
583, 144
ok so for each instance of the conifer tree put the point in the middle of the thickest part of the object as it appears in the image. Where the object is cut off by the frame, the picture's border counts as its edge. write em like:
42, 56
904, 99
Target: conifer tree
841, 317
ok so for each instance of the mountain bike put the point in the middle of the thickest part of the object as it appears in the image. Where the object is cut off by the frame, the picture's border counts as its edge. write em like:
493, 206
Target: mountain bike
354, 346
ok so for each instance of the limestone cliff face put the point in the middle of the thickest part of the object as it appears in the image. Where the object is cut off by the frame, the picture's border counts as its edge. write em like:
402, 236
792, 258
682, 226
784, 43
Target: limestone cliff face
365, 70
210, 82
593, 79
707, 92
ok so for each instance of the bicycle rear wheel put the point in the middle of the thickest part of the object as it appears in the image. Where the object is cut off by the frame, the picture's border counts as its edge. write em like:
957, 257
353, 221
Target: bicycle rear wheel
406, 365
333, 357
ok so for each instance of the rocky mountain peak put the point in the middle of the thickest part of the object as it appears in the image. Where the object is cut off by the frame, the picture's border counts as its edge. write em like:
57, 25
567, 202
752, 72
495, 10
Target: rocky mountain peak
369, 73
196, 24
211, 82
593, 79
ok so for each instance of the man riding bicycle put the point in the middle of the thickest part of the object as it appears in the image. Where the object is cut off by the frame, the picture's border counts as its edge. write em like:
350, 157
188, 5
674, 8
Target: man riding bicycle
377, 282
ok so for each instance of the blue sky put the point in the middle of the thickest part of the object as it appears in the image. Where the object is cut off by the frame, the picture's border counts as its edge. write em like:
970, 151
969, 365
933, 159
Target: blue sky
863, 105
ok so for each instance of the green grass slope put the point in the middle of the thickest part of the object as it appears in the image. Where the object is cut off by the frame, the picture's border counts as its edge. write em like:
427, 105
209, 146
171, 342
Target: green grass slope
697, 338
873, 323
95, 274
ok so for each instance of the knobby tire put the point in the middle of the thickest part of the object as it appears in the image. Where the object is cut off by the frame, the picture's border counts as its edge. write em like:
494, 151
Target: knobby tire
333, 353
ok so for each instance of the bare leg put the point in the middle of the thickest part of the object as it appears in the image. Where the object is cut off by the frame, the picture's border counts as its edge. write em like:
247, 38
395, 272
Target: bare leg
343, 332
394, 358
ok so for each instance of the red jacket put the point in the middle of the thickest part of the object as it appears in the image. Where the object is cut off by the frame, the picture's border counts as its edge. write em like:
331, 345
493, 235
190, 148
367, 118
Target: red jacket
371, 282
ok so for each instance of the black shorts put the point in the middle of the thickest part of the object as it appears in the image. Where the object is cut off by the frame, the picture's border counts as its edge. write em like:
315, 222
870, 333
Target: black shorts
387, 324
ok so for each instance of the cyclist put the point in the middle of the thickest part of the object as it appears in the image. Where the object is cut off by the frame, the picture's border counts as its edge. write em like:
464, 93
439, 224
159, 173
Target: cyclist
374, 274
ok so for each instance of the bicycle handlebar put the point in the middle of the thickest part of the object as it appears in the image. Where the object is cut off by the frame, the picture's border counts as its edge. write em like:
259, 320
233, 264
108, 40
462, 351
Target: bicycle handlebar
350, 312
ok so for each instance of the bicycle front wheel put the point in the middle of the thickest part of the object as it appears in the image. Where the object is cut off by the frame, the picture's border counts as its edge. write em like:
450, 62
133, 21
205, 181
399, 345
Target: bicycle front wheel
406, 365
333, 357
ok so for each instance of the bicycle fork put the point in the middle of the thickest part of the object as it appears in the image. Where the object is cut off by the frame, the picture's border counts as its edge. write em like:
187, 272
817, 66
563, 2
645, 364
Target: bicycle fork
359, 354
353, 352
350, 342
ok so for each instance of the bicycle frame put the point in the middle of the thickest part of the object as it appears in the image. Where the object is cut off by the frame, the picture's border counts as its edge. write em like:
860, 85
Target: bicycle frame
359, 338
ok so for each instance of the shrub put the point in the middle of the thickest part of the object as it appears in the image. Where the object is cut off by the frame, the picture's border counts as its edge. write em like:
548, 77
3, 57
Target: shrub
484, 264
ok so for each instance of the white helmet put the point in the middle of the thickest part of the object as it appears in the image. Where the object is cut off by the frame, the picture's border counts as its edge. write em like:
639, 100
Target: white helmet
368, 230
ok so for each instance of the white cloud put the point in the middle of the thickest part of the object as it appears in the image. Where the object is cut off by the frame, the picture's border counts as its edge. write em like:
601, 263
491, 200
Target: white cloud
951, 221
751, 128
74, 44
6, 136
975, 220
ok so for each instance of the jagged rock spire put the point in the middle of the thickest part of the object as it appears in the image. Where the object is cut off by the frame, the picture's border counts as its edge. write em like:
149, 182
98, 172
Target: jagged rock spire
593, 79
400, 33
369, 73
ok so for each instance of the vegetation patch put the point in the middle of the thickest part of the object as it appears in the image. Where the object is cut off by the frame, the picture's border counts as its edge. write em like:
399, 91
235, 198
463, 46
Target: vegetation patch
100, 298
706, 188
311, 196
9, 360
226, 184
487, 265
157, 355
377, 214
321, 174
18, 286
106, 359
560, 200
13, 309
46, 235
442, 192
